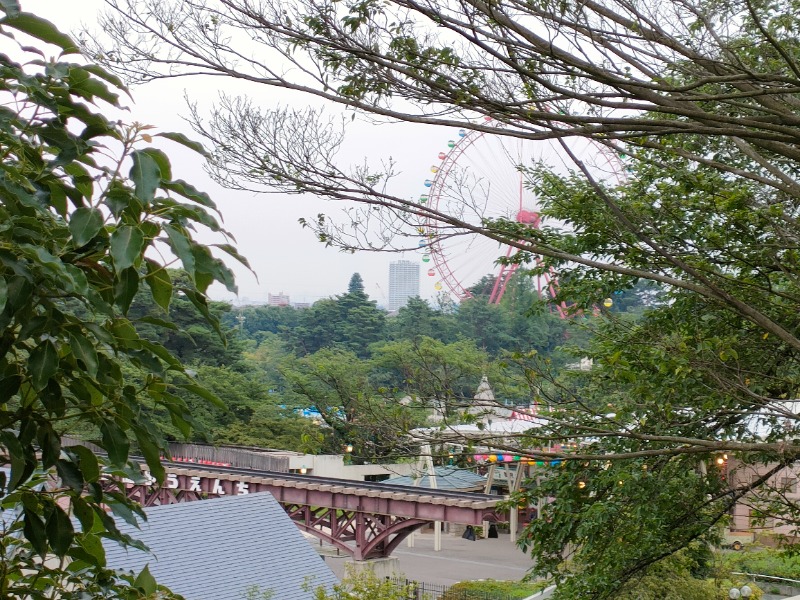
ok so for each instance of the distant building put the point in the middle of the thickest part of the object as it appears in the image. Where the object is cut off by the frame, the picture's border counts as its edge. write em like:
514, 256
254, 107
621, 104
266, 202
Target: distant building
403, 283
280, 299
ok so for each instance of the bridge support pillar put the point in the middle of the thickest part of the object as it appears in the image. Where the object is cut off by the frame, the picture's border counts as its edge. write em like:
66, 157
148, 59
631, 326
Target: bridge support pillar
381, 567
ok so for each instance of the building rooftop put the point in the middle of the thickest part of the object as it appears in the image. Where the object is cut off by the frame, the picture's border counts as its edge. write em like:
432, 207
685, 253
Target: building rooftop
447, 478
221, 548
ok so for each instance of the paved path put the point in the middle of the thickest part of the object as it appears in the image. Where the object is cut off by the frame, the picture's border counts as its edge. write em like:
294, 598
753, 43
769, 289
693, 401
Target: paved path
459, 560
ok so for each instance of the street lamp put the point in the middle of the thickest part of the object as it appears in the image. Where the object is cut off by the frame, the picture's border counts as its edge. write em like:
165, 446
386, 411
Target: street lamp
743, 592
349, 448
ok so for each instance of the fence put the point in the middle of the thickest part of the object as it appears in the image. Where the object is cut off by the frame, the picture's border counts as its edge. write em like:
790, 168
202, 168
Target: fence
419, 590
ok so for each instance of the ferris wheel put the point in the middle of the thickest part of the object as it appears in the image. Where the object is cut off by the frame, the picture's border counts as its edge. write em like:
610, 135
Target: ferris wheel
481, 176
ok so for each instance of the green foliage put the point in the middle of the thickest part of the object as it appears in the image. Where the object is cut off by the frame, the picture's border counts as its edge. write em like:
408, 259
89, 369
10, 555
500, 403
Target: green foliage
363, 584
689, 112
763, 561
487, 589
351, 321
73, 241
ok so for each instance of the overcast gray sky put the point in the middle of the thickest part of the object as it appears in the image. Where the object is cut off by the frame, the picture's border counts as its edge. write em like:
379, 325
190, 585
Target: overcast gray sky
285, 257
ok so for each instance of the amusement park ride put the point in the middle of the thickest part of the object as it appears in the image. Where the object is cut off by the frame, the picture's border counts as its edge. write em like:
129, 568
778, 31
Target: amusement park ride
482, 176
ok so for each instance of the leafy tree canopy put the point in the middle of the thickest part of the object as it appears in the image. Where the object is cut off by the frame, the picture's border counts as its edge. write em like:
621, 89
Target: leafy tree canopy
86, 206
679, 122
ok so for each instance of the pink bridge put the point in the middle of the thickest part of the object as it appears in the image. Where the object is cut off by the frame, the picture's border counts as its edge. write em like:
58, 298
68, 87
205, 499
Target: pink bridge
363, 519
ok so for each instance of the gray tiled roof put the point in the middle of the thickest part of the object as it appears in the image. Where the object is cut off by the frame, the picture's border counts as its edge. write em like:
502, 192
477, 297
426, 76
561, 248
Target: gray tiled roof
447, 478
216, 549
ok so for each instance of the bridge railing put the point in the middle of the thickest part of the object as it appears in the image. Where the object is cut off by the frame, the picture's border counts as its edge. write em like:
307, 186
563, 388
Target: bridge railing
228, 457
204, 454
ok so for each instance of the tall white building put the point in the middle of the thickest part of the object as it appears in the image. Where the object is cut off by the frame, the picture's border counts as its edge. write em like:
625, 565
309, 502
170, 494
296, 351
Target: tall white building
403, 283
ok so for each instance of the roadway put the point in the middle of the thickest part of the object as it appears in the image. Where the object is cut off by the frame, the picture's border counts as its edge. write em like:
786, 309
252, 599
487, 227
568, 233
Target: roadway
459, 560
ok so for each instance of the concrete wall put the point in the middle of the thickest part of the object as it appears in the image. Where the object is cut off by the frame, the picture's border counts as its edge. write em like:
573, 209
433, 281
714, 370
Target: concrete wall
334, 465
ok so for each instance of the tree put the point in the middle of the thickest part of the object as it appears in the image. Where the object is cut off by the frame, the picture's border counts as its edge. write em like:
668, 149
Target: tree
417, 319
694, 101
365, 585
336, 384
350, 321
79, 238
193, 340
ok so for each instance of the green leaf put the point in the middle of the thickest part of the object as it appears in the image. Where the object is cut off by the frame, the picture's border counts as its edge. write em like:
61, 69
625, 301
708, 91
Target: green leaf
84, 351
158, 279
87, 461
43, 364
59, 531
9, 386
84, 224
58, 198
162, 160
181, 246
93, 545
16, 453
115, 442
145, 175
122, 510
52, 398
204, 393
41, 29
126, 246
125, 288
34, 531
201, 304
3, 294
146, 582
70, 474
84, 512
109, 77
161, 352
230, 250
151, 452
189, 191
90, 88
185, 141
49, 444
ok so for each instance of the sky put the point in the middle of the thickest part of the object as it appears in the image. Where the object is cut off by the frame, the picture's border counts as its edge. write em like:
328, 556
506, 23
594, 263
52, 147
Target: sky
285, 257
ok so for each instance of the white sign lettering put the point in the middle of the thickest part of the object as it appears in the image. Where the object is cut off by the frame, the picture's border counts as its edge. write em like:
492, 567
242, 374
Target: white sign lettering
172, 481
242, 488
218, 488
195, 484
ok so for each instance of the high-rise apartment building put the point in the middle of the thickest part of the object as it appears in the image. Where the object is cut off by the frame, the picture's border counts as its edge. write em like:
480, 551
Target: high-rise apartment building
403, 283
278, 299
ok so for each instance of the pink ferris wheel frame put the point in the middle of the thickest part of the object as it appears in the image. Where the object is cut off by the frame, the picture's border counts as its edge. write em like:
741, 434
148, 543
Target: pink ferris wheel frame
546, 284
